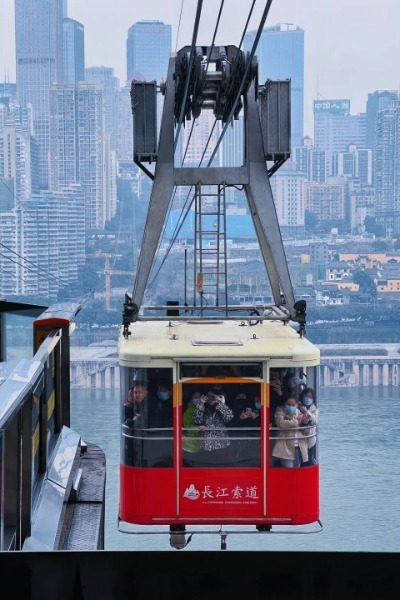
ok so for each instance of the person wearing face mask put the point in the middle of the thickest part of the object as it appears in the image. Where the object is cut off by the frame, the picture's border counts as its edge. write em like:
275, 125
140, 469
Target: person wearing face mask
291, 447
161, 408
309, 411
190, 433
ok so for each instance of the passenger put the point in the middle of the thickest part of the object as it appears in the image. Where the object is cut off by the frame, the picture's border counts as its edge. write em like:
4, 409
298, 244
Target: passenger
292, 442
212, 415
275, 393
161, 409
246, 413
136, 406
290, 386
190, 434
135, 423
247, 442
145, 418
309, 410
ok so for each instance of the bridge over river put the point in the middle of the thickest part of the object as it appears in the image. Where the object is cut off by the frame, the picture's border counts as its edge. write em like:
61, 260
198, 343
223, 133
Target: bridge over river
345, 365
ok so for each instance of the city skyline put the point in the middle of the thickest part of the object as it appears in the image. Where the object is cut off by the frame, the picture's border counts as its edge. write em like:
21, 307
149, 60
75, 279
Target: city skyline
340, 60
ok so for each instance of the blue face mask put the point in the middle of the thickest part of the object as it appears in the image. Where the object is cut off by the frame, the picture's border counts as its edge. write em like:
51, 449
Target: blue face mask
196, 401
307, 401
257, 405
291, 410
163, 396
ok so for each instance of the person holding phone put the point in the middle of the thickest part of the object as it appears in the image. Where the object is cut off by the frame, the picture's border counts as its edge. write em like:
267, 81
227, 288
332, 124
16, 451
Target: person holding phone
212, 416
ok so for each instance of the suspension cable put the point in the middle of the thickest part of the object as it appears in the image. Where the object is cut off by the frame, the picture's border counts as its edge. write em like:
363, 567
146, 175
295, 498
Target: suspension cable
179, 226
191, 59
50, 275
16, 262
179, 25
239, 92
245, 28
180, 223
206, 71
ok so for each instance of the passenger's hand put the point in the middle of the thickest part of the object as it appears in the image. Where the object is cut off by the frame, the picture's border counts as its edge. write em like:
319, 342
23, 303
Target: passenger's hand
203, 399
276, 386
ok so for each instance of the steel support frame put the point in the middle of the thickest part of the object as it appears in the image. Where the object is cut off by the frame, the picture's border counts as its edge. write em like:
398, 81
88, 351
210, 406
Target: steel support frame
253, 176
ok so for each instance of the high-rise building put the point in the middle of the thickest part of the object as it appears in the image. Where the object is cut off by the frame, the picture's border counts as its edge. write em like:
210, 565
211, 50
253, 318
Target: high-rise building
46, 231
280, 54
327, 202
124, 124
8, 92
80, 151
39, 57
387, 169
377, 101
15, 162
362, 205
288, 188
335, 128
74, 51
104, 77
355, 163
309, 161
18, 154
148, 49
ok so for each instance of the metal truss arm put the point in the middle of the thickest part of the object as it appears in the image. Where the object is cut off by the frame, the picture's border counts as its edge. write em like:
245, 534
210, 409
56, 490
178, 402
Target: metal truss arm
161, 193
263, 212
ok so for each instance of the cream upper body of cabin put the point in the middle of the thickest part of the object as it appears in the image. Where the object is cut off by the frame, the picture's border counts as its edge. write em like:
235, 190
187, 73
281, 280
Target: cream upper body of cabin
232, 340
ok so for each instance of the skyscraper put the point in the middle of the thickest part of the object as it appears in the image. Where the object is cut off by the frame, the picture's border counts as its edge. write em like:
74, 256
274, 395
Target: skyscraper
39, 57
335, 129
48, 230
74, 51
148, 49
80, 149
104, 77
387, 169
280, 54
376, 101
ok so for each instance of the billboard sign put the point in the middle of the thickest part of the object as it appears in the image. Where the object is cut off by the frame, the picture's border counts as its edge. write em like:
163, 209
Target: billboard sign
339, 107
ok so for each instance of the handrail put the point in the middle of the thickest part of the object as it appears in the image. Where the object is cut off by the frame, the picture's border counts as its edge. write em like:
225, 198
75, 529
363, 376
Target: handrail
34, 408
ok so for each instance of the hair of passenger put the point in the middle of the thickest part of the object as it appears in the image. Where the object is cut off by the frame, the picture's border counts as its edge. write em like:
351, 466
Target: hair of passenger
140, 384
307, 390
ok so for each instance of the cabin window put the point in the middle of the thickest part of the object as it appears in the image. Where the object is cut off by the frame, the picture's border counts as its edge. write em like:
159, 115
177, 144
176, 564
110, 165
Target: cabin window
220, 370
221, 424
294, 417
147, 417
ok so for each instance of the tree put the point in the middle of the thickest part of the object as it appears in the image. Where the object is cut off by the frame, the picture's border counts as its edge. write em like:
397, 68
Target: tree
365, 282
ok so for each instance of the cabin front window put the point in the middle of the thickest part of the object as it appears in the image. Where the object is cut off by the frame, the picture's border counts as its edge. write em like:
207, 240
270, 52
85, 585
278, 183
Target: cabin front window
294, 417
221, 423
147, 411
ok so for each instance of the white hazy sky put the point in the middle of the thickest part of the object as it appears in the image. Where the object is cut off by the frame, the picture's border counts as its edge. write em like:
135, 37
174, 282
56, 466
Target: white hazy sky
352, 47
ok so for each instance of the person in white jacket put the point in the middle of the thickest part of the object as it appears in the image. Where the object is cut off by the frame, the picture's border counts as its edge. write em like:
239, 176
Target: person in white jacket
291, 447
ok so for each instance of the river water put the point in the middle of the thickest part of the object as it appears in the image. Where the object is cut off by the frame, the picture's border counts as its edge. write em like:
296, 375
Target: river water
360, 475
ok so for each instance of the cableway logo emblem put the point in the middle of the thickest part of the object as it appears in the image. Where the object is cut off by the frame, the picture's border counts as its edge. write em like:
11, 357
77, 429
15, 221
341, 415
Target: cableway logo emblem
191, 492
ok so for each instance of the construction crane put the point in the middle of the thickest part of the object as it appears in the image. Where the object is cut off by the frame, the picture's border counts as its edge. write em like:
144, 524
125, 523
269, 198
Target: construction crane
108, 272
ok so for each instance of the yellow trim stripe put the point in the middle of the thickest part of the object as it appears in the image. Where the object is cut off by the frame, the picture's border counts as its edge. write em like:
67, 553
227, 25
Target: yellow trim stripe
51, 405
35, 440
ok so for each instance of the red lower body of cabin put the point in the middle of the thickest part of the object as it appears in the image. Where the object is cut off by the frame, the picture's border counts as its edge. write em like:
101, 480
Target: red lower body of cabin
222, 496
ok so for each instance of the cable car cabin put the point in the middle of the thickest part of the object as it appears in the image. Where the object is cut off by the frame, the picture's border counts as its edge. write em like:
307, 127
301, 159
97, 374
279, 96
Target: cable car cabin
206, 433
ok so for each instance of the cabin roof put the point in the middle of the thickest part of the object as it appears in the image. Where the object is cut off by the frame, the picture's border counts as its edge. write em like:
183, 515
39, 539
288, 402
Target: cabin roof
218, 340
